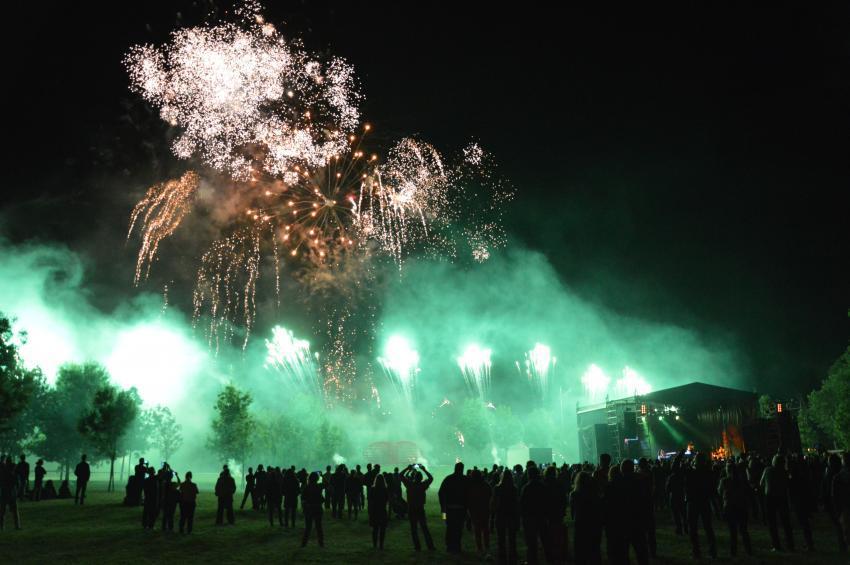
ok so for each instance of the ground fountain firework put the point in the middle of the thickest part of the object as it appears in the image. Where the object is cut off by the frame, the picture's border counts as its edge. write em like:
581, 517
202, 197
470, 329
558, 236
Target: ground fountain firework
475, 367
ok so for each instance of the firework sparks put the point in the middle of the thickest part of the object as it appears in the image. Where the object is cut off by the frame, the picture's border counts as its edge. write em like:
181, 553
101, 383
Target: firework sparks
538, 364
475, 366
246, 100
401, 365
160, 212
595, 382
291, 358
632, 384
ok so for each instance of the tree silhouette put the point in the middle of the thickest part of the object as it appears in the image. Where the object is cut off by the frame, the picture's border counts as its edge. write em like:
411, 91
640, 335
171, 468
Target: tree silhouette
17, 383
233, 426
165, 432
105, 423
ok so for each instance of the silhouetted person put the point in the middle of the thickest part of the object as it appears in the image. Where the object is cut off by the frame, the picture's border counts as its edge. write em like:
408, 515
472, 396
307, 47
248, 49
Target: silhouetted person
774, 483
291, 489
354, 491
225, 488
833, 468
327, 485
800, 489
615, 521
150, 510
646, 506
170, 498
340, 477
188, 498
274, 495
556, 510
49, 492
634, 501
452, 495
532, 505
379, 496
64, 490
9, 493
478, 503
311, 501
22, 471
416, 487
699, 489
83, 474
260, 488
136, 483
675, 489
755, 470
505, 508
40, 472
733, 495
250, 480
585, 506
600, 474
841, 496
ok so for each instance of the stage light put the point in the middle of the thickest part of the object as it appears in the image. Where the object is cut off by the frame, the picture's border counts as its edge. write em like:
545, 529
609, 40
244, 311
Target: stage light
661, 417
677, 417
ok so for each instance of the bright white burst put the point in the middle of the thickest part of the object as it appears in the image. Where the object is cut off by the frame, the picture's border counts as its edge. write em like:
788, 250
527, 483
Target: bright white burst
401, 365
595, 382
243, 97
475, 366
538, 364
632, 384
292, 359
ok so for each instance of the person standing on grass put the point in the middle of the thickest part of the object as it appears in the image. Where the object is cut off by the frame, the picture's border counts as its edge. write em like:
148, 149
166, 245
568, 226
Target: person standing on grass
733, 489
378, 515
9, 492
452, 496
150, 510
354, 491
311, 501
504, 506
416, 488
291, 489
83, 474
22, 470
225, 488
39, 479
774, 483
188, 496
585, 506
478, 502
532, 504
840, 497
274, 495
249, 489
170, 497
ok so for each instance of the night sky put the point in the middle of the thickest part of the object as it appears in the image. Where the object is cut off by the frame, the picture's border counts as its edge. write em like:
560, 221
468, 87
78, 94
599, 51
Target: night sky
687, 165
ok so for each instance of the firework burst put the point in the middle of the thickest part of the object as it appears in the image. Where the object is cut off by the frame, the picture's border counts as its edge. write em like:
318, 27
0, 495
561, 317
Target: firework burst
291, 358
475, 366
538, 365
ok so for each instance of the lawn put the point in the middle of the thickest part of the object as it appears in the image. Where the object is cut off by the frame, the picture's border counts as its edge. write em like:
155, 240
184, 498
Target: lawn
104, 531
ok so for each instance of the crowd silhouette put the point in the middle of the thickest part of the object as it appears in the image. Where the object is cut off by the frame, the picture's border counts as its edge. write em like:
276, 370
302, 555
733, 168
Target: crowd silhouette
617, 502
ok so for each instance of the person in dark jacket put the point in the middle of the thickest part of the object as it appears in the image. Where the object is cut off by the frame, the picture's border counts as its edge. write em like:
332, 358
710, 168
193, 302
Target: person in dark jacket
250, 481
699, 489
675, 489
291, 489
188, 498
478, 503
311, 501
170, 497
733, 489
635, 503
260, 488
151, 506
9, 492
556, 510
83, 474
774, 483
452, 495
354, 492
800, 490
22, 471
840, 495
225, 488
532, 504
40, 472
833, 468
416, 488
615, 510
585, 507
378, 516
274, 495
340, 478
646, 506
505, 508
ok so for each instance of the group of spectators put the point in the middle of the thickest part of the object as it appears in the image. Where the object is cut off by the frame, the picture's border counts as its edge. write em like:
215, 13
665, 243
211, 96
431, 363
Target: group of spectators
617, 502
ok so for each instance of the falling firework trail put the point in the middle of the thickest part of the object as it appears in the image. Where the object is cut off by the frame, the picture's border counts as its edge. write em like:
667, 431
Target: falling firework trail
595, 382
632, 384
401, 366
475, 366
538, 364
291, 358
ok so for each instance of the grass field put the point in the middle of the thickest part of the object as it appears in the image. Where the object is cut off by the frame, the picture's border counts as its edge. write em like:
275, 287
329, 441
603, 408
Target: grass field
104, 531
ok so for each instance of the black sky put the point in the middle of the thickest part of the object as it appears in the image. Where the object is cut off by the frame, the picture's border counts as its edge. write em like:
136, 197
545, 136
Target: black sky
687, 164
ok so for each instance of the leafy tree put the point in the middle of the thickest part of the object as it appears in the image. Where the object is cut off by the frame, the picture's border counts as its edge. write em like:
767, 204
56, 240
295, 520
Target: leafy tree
165, 432
767, 406
24, 430
829, 406
17, 383
233, 426
104, 425
71, 397
329, 442
473, 424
